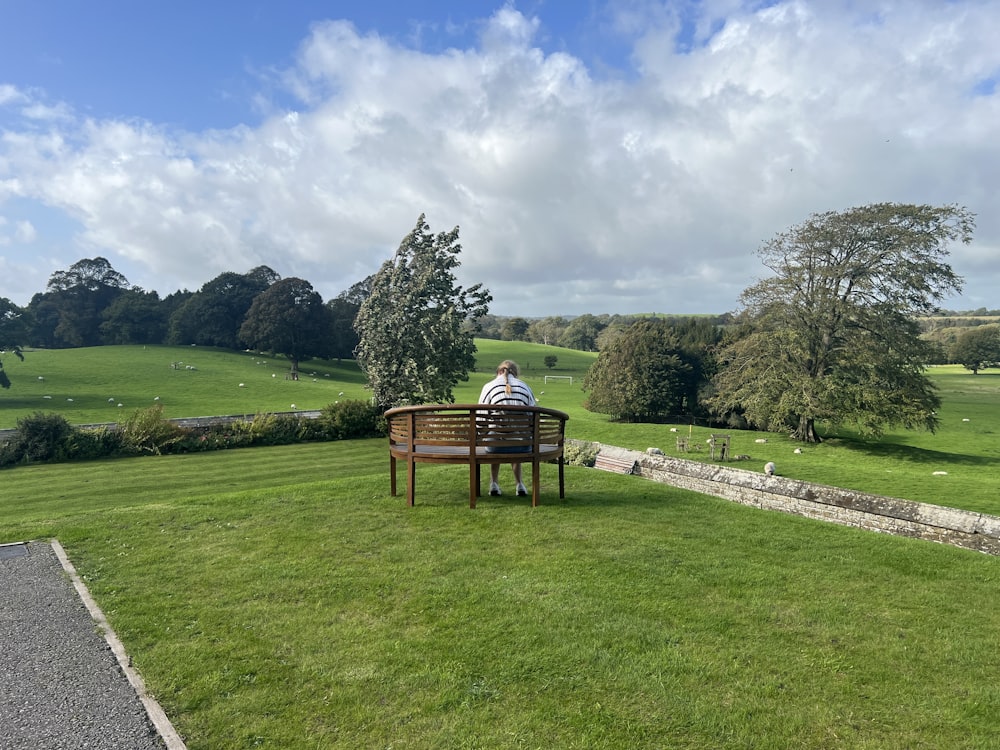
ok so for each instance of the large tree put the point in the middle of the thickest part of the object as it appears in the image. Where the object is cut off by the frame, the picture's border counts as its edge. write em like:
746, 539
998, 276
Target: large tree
415, 343
832, 336
978, 348
641, 376
212, 316
582, 333
289, 318
514, 329
135, 317
70, 312
13, 334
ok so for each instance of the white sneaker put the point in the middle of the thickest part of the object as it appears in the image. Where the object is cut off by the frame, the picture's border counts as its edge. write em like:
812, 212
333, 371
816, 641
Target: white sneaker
495, 489
521, 490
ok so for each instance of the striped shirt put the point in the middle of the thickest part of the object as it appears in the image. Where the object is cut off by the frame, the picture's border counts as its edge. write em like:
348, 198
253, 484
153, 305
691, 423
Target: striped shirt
495, 392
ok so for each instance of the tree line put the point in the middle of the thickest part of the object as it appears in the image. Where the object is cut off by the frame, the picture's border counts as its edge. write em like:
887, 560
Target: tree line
92, 304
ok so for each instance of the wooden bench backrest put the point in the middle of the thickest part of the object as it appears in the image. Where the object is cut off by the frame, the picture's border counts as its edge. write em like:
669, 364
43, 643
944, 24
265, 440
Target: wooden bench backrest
466, 433
475, 424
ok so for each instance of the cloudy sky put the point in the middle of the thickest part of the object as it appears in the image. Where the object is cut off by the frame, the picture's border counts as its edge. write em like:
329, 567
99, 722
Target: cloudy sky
599, 156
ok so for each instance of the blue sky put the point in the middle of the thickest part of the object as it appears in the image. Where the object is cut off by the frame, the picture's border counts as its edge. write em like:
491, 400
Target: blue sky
599, 156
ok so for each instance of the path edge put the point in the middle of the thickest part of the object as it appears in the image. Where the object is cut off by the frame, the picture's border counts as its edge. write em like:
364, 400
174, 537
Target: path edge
155, 712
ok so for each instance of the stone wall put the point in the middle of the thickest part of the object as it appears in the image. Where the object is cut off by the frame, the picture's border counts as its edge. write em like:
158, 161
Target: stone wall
961, 528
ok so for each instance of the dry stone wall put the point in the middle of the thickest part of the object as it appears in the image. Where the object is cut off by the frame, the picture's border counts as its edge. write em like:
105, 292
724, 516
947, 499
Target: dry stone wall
961, 528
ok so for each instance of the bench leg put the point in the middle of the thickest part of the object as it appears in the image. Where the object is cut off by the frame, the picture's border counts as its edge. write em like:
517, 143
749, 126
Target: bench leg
411, 480
392, 475
562, 482
535, 483
473, 483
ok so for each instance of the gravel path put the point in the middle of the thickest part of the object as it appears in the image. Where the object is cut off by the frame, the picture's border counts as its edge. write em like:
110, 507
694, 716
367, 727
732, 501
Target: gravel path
61, 686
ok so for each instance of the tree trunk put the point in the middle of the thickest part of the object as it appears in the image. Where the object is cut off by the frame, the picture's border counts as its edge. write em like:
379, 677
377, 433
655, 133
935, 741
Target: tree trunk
806, 431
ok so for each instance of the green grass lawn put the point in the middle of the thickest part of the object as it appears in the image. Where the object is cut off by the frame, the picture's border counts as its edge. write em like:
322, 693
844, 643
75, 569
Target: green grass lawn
87, 384
280, 598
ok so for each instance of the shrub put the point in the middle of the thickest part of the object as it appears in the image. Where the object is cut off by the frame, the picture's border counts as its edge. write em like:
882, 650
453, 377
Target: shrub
579, 453
39, 437
275, 429
89, 444
146, 431
346, 420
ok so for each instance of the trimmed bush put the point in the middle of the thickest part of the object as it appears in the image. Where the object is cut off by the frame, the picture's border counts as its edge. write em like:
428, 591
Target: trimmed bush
347, 420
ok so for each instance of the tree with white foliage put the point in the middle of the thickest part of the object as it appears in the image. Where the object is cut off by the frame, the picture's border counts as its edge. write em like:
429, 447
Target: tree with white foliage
416, 343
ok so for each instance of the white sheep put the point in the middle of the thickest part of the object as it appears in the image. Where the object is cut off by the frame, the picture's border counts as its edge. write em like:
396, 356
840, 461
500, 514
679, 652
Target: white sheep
769, 468
761, 440
654, 452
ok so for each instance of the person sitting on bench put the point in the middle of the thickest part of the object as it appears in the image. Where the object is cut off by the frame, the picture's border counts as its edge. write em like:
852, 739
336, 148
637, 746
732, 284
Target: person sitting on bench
507, 389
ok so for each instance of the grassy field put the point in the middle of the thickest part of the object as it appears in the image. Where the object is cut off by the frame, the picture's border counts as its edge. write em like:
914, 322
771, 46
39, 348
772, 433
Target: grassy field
87, 385
280, 598
902, 464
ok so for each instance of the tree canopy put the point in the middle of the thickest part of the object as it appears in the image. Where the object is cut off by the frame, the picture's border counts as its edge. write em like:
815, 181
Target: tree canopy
832, 336
212, 316
13, 334
415, 341
135, 317
70, 311
289, 318
978, 348
641, 376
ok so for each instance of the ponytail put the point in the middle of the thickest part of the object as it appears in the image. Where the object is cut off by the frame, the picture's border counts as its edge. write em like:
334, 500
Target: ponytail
507, 368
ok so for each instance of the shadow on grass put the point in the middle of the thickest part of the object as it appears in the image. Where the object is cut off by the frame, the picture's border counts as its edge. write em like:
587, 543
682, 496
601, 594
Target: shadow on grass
585, 488
913, 455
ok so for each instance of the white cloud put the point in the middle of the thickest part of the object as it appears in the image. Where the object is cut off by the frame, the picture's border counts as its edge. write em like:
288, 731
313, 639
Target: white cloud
24, 232
575, 193
9, 94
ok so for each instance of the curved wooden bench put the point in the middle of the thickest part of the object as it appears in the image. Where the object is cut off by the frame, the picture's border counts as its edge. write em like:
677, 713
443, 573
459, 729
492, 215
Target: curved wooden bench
460, 434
